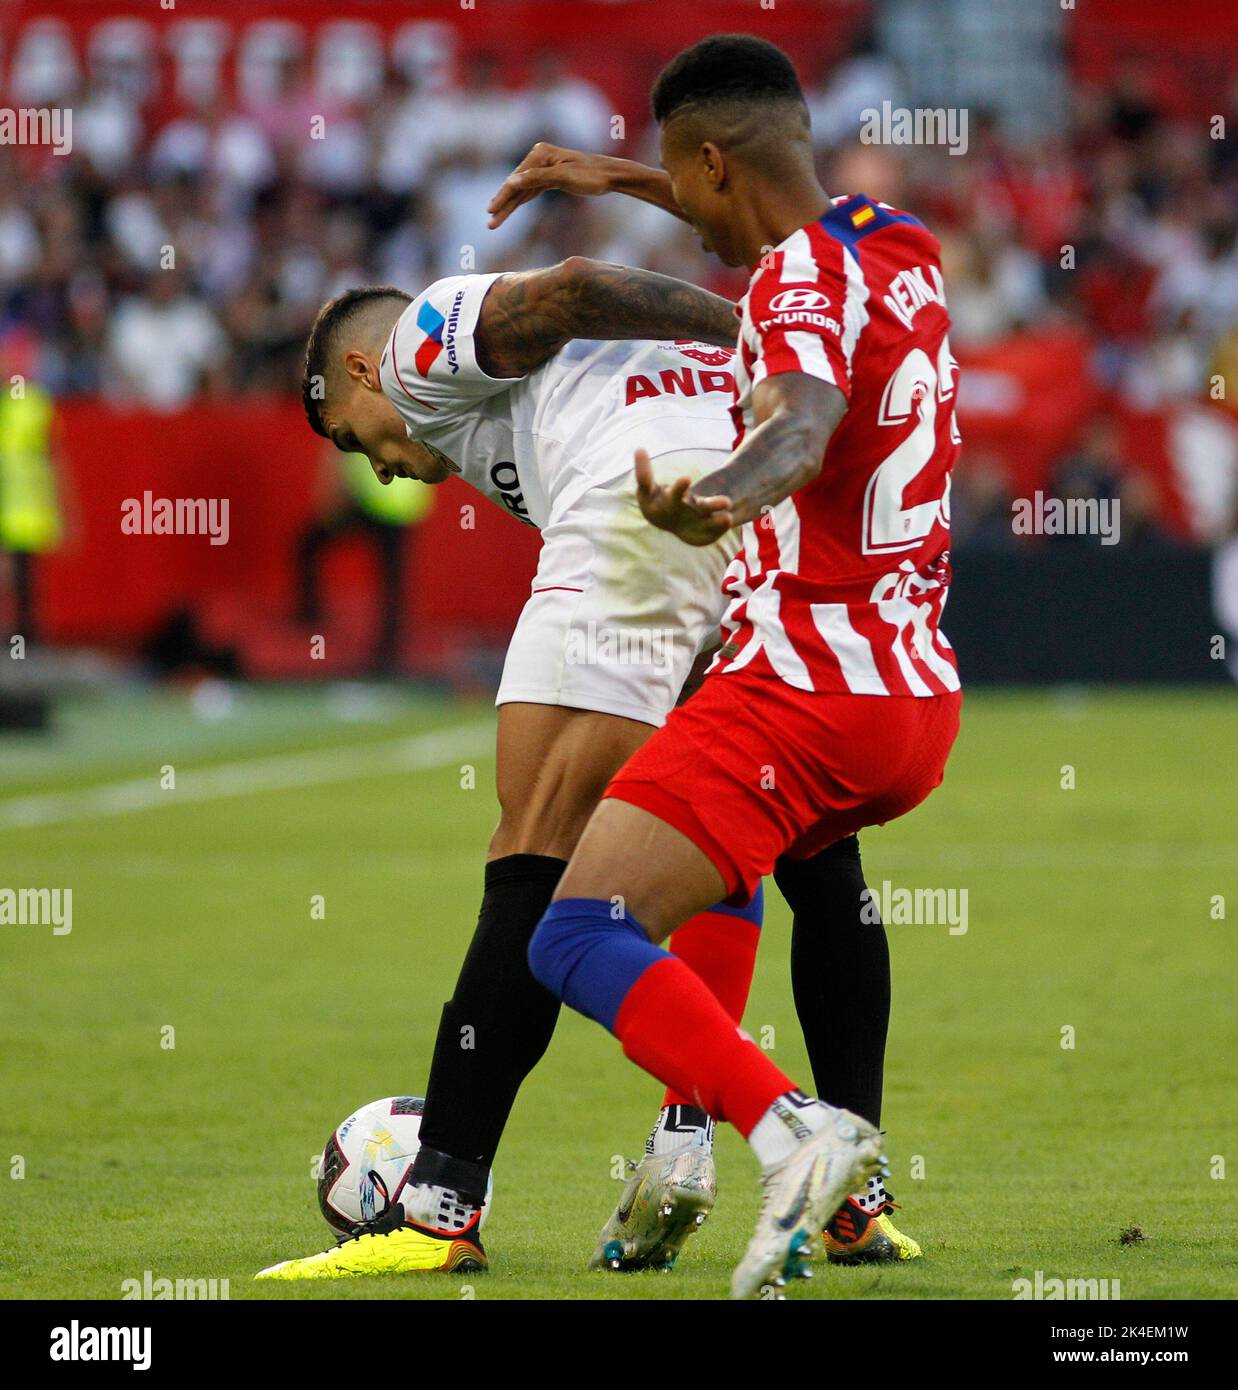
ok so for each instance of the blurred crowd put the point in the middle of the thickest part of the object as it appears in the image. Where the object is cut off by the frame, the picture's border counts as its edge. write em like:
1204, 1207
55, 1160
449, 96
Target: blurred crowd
184, 254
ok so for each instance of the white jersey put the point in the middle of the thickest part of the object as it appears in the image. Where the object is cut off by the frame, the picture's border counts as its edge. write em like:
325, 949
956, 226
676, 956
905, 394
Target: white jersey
535, 444
618, 609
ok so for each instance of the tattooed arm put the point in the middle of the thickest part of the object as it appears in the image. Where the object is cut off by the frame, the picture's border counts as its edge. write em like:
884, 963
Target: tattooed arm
795, 414
527, 316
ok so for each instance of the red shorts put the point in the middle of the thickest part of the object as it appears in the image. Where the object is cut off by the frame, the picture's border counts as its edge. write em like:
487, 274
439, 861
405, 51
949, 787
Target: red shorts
750, 769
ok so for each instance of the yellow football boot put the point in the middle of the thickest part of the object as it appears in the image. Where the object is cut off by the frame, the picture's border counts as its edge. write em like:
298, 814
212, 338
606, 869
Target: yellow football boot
856, 1236
405, 1250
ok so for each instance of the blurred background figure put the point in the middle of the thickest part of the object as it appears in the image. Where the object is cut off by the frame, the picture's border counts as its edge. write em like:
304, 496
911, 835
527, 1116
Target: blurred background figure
164, 346
31, 520
353, 503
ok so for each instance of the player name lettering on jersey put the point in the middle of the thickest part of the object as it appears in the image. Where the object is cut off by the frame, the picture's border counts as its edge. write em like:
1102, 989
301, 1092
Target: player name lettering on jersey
684, 381
911, 290
505, 477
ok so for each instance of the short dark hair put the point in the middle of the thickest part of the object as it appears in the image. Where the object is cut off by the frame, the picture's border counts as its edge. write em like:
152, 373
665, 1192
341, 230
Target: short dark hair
334, 316
726, 67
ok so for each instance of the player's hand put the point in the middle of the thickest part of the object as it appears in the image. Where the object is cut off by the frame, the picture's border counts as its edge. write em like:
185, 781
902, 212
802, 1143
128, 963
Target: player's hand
545, 167
675, 508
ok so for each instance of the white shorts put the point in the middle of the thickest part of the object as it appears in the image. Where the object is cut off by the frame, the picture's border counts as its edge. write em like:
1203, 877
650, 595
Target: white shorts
619, 610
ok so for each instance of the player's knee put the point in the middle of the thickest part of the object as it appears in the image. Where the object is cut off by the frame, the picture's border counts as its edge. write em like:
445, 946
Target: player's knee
833, 874
583, 956
553, 831
547, 819
509, 836
557, 948
562, 940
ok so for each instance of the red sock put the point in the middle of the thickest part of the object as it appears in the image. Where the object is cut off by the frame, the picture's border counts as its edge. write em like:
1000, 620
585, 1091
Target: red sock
722, 949
671, 1024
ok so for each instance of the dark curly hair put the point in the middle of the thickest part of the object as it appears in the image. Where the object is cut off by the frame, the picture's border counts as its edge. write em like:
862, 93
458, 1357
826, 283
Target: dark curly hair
725, 68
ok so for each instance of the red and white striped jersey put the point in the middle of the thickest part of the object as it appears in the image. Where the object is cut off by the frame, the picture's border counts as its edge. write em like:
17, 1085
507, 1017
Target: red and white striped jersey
840, 586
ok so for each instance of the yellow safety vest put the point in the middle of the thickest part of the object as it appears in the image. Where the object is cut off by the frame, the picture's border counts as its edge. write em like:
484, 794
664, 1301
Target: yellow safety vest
399, 503
29, 509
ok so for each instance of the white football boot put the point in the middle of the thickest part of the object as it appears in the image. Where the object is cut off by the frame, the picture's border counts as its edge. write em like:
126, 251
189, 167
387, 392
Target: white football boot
802, 1192
666, 1198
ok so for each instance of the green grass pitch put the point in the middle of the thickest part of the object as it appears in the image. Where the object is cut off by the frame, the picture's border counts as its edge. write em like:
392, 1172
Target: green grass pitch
1090, 909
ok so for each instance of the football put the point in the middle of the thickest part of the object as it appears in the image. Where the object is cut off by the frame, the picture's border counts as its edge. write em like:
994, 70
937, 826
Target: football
368, 1162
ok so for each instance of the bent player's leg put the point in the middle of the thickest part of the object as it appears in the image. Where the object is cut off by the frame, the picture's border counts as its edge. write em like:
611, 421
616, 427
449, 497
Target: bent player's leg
607, 966
671, 1189
553, 764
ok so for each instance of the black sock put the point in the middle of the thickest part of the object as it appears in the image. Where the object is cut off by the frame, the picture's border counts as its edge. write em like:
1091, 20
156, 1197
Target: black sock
840, 975
509, 1017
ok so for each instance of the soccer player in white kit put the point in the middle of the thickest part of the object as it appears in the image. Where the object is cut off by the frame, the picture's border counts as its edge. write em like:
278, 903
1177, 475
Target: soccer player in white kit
615, 618
508, 382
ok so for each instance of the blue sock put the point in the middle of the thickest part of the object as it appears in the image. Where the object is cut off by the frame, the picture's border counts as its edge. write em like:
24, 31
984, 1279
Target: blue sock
751, 911
590, 960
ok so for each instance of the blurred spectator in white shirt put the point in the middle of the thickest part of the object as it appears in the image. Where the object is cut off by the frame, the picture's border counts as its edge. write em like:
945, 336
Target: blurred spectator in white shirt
108, 131
860, 82
566, 109
408, 138
995, 288
19, 234
212, 141
163, 345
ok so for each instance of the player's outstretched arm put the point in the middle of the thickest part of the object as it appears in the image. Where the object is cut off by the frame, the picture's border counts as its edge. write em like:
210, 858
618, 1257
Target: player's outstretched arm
527, 316
587, 175
795, 415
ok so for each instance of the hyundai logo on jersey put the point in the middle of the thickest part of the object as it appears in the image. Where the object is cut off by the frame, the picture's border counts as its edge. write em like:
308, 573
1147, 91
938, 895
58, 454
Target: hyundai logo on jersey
799, 299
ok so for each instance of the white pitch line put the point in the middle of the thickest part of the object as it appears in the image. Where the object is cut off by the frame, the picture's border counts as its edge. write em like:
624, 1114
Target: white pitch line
275, 773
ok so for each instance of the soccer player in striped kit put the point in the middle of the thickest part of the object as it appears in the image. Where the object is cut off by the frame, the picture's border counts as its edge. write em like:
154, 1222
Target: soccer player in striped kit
834, 701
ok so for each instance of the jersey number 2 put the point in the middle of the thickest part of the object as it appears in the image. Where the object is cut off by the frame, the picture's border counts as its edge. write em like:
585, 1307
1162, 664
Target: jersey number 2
916, 385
